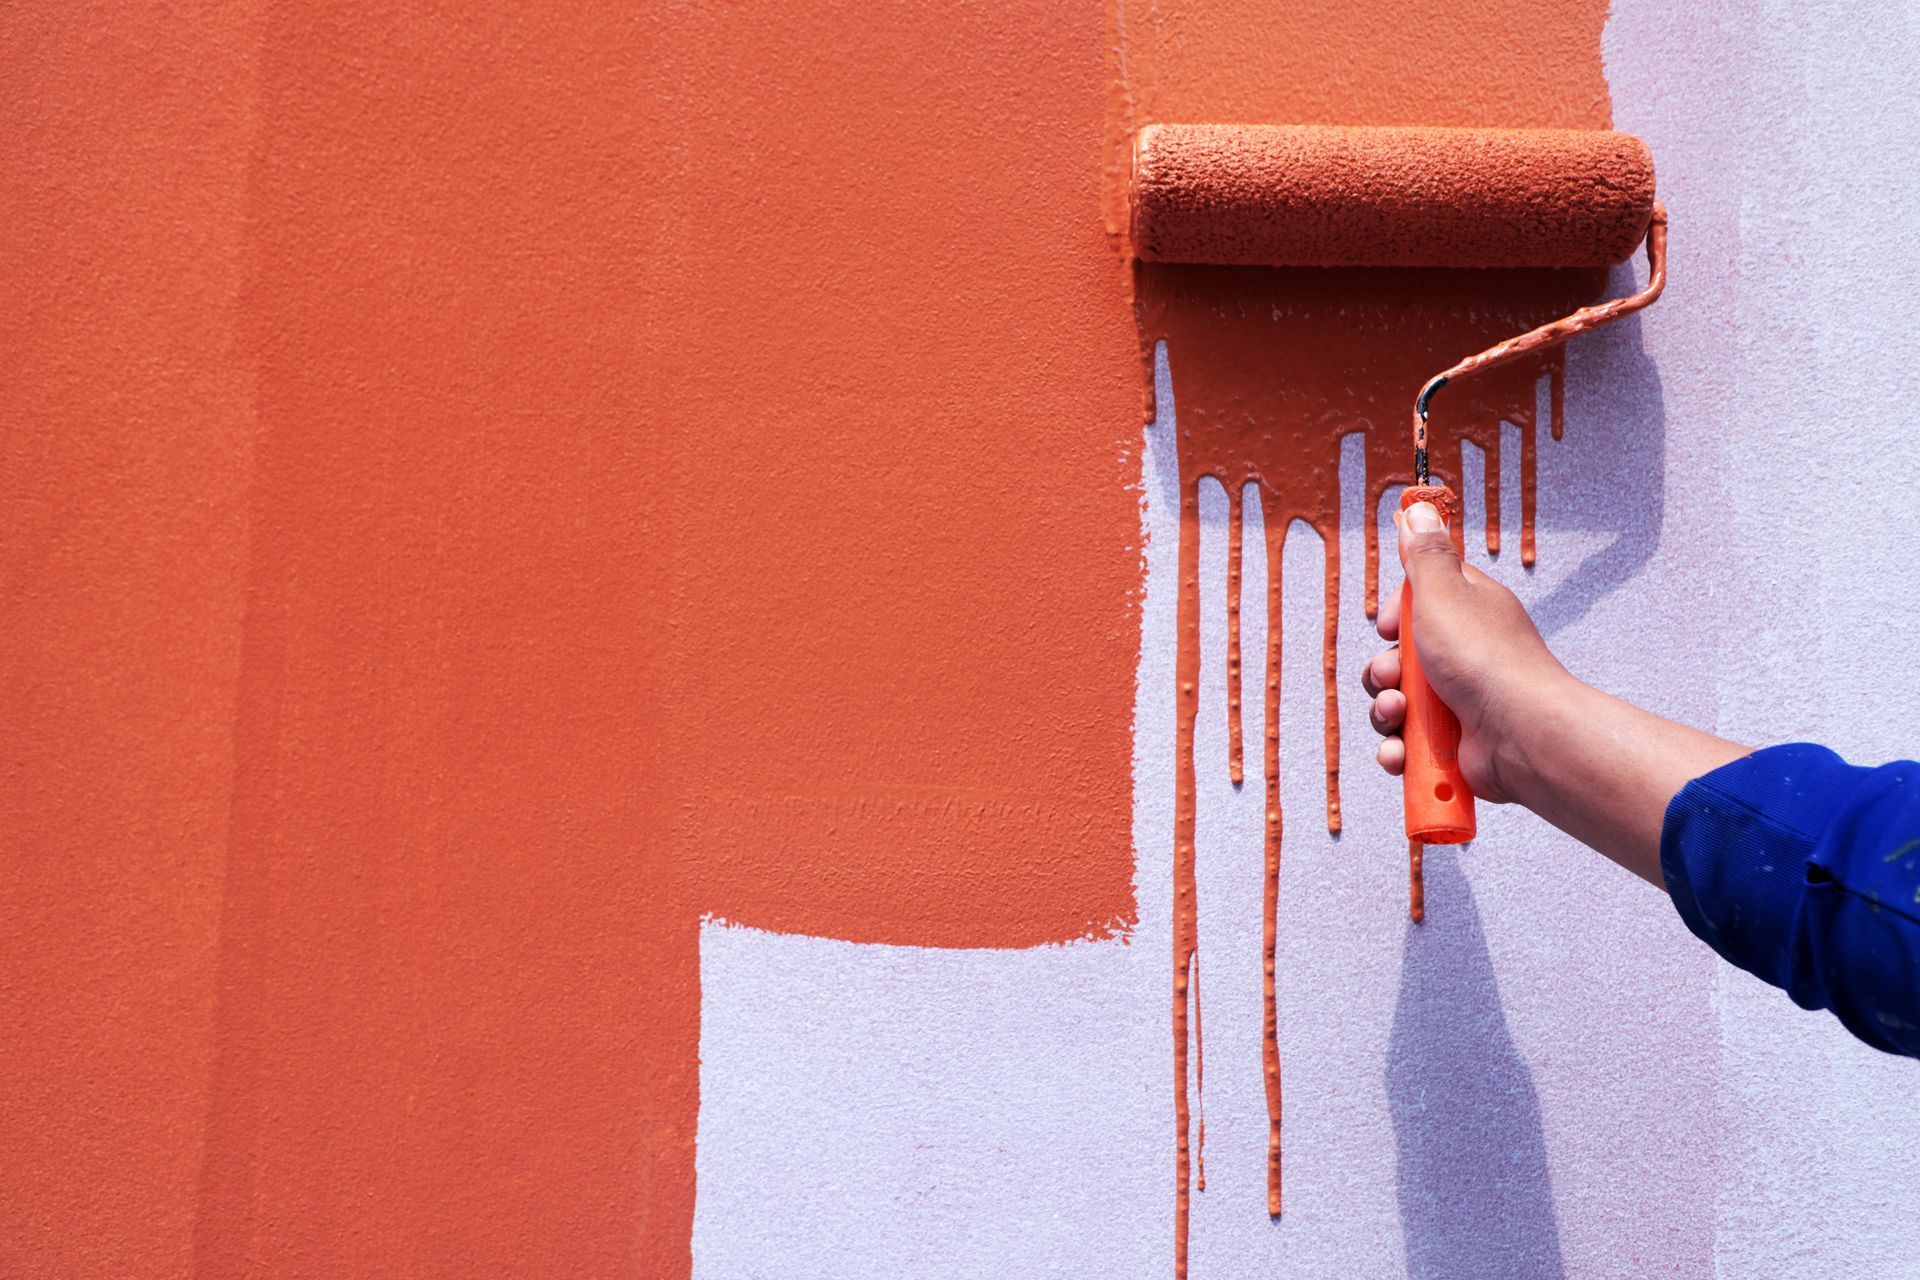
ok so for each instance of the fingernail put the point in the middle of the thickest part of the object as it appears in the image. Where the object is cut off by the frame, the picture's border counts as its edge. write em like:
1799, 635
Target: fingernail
1424, 517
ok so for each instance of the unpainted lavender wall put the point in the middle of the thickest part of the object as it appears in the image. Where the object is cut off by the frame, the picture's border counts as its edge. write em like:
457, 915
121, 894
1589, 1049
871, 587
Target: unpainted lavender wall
1551, 1077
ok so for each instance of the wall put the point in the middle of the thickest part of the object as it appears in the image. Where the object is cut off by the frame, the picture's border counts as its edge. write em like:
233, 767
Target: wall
521, 766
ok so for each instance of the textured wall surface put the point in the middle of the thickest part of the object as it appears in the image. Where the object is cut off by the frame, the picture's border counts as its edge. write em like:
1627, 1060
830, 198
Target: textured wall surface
1795, 131
498, 741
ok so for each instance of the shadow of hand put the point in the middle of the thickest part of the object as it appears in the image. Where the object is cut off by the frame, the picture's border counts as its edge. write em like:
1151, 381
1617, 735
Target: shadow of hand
1475, 1200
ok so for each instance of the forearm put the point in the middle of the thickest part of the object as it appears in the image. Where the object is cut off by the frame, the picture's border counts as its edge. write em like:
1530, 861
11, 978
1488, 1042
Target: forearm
1603, 770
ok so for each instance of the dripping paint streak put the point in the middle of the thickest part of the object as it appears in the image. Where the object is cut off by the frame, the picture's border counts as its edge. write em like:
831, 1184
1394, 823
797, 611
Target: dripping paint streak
1557, 381
1493, 493
1416, 882
1529, 470
1271, 367
1329, 662
1376, 489
1276, 533
1236, 540
1199, 1083
1187, 667
1268, 368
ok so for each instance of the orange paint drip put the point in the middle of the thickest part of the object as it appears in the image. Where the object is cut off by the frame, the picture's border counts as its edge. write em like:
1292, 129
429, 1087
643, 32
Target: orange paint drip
1270, 880
1271, 370
1529, 489
1236, 545
1491, 508
1199, 1085
1329, 663
1416, 881
1185, 811
1312, 356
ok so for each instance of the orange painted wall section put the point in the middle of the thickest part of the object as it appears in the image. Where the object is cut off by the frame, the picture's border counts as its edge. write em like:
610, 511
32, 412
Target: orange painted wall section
902, 540
126, 445
487, 487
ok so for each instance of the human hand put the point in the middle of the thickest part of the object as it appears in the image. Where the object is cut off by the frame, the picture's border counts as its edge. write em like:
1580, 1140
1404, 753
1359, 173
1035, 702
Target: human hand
1481, 652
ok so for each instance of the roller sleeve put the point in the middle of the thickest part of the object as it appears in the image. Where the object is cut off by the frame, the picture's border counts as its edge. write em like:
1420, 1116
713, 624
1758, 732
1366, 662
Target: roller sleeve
1328, 196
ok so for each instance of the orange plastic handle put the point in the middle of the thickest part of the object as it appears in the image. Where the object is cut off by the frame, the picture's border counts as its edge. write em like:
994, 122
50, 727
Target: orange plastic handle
1438, 801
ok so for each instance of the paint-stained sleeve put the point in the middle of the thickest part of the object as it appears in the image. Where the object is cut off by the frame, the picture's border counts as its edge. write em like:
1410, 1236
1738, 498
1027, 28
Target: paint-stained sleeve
1804, 870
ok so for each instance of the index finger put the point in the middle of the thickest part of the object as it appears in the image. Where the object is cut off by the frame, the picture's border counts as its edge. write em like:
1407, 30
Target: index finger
1387, 619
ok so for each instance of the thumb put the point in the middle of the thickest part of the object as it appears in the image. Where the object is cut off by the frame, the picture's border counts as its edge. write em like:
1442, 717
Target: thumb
1427, 551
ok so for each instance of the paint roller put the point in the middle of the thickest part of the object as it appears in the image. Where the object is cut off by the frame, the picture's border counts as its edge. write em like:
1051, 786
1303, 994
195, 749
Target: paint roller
1325, 196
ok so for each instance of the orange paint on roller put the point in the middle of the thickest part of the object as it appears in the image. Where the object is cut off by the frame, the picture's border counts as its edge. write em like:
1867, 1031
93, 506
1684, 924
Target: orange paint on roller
1328, 196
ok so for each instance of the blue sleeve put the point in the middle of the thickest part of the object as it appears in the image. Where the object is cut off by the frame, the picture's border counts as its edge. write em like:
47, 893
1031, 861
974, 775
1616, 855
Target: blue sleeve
1804, 870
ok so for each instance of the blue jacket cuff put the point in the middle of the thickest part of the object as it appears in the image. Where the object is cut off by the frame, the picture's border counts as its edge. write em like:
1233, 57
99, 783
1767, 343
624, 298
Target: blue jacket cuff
1735, 845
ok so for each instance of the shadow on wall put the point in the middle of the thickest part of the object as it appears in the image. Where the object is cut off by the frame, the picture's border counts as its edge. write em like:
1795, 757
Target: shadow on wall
1609, 473
1475, 1201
